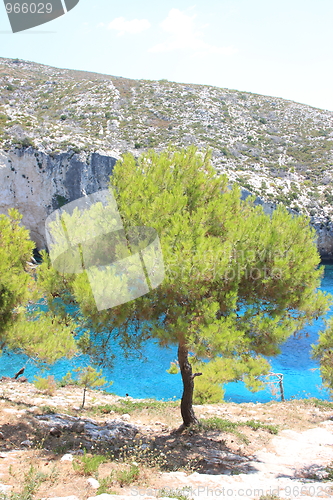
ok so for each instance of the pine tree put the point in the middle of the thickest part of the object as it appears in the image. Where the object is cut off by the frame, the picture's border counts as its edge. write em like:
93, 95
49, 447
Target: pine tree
237, 282
23, 325
15, 251
91, 378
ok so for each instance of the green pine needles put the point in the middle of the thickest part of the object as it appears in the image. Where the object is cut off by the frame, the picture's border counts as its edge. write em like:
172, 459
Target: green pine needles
41, 335
237, 284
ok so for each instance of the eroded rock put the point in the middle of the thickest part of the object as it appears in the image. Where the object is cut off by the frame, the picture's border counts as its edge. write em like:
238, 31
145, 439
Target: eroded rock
112, 429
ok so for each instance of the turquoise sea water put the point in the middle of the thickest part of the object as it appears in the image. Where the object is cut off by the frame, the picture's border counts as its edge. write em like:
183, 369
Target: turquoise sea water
148, 379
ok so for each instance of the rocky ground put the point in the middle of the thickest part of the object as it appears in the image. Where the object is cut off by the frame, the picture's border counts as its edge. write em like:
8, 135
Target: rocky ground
50, 448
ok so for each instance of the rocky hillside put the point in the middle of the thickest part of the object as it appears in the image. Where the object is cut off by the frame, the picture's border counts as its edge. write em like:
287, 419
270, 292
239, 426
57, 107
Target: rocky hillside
280, 150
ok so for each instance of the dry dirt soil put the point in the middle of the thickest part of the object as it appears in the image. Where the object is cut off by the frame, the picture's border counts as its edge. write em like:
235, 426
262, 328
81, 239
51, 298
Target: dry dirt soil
233, 442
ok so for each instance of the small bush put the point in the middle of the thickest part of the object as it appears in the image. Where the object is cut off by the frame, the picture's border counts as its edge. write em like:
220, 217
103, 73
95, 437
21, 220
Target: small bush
225, 151
255, 425
105, 484
319, 403
46, 409
127, 476
220, 424
125, 406
88, 464
141, 453
29, 484
329, 470
61, 200
180, 494
46, 385
26, 142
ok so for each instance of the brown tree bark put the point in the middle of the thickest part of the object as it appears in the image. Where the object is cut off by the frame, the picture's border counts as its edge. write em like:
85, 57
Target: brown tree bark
186, 406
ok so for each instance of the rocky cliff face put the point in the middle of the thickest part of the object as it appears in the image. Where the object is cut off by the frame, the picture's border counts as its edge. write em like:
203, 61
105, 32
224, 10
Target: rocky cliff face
36, 183
324, 240
324, 230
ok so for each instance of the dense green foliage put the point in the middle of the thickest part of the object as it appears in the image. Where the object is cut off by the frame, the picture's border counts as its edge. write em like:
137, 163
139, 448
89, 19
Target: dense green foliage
323, 351
15, 251
39, 334
237, 282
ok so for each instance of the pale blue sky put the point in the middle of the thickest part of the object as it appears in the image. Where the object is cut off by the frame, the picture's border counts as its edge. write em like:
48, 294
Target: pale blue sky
281, 48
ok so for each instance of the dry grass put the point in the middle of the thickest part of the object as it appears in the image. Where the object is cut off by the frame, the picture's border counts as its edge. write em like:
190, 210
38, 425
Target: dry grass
139, 461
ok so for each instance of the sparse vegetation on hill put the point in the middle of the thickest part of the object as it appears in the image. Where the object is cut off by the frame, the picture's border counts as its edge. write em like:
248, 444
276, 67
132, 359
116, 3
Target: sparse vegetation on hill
280, 150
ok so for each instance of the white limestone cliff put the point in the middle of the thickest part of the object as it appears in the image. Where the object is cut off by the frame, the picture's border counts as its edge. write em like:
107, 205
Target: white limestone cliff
36, 183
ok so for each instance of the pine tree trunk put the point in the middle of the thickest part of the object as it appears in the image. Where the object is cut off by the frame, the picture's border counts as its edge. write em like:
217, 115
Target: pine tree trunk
186, 407
84, 397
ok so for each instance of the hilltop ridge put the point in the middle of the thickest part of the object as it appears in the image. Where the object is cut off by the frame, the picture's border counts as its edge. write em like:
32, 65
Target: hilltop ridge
280, 150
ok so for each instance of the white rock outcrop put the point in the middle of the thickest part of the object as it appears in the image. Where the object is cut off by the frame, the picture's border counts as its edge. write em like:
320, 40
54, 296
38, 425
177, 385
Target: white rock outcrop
36, 183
